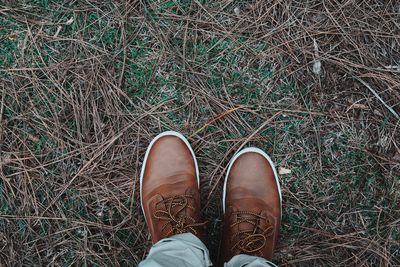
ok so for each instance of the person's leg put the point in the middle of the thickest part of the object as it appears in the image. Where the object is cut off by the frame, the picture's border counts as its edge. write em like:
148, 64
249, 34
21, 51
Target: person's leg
248, 261
170, 199
252, 206
184, 250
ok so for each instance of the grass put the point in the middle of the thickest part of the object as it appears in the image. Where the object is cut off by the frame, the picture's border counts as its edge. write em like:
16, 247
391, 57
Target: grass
86, 85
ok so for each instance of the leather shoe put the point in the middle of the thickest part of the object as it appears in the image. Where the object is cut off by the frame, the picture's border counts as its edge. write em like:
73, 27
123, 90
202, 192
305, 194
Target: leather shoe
169, 187
252, 205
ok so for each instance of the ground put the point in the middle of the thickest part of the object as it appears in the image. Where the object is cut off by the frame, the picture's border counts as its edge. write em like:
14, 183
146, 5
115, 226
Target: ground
85, 85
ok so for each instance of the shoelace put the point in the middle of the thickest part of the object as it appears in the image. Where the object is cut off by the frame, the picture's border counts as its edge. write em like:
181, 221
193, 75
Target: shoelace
174, 215
251, 241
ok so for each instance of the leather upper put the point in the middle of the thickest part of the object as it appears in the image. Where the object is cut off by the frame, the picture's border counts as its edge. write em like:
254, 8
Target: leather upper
170, 194
252, 208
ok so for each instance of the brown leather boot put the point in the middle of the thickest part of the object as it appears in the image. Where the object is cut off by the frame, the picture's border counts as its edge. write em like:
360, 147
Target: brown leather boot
252, 205
169, 187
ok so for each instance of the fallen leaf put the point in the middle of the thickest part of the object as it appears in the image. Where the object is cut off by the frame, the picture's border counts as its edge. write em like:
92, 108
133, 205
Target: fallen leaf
317, 61
358, 106
283, 171
13, 36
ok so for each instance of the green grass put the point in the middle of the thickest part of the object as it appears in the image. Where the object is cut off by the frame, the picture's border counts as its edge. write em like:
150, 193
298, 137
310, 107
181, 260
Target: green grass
162, 65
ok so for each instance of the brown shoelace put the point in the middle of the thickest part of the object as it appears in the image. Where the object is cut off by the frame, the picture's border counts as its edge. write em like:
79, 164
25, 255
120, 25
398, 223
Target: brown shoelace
174, 214
251, 241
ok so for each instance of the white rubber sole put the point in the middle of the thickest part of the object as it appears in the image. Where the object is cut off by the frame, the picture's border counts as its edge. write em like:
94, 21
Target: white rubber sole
241, 152
167, 133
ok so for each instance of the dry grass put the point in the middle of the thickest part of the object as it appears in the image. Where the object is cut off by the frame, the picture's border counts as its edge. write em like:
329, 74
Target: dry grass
86, 84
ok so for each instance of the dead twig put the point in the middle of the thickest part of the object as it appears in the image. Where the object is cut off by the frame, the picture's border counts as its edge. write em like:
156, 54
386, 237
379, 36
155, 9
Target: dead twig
378, 97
